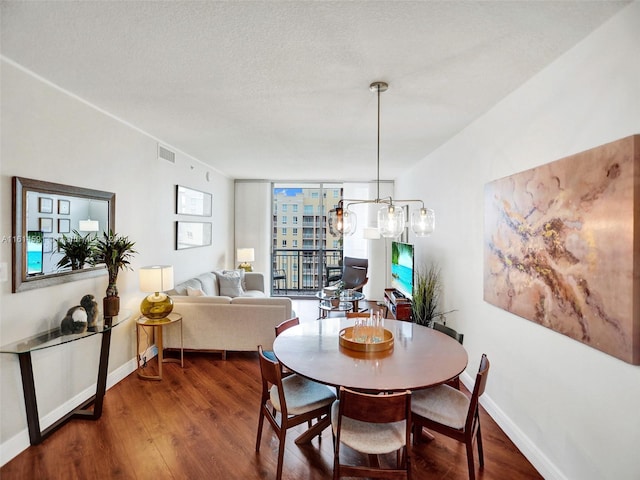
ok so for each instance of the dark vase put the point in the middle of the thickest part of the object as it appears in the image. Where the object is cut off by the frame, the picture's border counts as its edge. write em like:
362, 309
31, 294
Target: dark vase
111, 306
111, 303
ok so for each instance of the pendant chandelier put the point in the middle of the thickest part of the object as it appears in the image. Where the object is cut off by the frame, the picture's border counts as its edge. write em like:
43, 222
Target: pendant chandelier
391, 219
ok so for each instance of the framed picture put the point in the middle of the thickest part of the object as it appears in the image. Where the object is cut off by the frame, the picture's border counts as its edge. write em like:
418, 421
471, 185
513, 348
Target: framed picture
64, 207
47, 245
193, 202
192, 234
45, 205
46, 224
64, 225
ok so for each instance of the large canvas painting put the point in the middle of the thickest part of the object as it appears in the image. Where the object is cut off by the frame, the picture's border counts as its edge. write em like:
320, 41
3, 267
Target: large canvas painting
562, 246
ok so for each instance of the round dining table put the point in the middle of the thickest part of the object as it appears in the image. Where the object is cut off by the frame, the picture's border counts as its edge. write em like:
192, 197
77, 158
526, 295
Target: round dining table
420, 357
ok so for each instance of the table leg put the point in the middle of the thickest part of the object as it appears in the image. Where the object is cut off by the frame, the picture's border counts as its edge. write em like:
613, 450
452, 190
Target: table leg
160, 350
30, 402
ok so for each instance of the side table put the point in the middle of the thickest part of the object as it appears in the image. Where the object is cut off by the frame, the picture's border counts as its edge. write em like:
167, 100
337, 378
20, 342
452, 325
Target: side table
157, 327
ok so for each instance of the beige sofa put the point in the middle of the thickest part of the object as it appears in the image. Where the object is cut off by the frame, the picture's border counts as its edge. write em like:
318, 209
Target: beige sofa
235, 321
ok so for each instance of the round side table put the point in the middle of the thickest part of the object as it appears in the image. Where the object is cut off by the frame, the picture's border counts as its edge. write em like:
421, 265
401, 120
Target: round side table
157, 327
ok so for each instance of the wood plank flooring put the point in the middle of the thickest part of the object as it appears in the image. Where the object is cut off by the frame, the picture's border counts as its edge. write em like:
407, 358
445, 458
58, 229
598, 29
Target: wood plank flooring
200, 423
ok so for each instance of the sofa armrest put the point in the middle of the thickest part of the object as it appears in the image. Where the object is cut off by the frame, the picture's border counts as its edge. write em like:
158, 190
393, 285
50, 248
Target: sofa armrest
254, 281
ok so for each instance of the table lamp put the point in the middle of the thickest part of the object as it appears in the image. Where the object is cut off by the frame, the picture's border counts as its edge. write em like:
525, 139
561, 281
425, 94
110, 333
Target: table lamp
245, 255
156, 279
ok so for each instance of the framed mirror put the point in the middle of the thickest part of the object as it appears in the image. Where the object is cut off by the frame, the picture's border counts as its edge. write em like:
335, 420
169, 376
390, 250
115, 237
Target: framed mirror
44, 212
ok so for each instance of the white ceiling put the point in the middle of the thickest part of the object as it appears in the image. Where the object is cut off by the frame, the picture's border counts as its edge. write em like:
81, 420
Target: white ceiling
280, 90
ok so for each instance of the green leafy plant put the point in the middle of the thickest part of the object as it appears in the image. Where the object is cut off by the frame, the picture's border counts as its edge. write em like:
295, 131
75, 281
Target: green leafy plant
115, 251
427, 287
77, 250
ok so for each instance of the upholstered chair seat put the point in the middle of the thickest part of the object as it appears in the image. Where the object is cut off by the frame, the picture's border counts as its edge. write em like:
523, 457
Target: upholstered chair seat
302, 395
372, 438
442, 404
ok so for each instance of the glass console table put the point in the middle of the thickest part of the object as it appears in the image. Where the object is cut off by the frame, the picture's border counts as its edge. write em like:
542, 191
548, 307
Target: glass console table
53, 338
329, 302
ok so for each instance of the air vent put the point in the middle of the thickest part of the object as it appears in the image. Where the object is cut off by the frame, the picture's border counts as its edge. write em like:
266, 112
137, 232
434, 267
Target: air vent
165, 154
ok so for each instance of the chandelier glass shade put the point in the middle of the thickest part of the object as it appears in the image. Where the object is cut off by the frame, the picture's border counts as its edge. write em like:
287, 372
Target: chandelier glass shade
391, 217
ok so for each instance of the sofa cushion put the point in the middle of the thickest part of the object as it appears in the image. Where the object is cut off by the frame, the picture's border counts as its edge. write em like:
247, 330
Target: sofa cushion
209, 284
181, 288
195, 292
230, 283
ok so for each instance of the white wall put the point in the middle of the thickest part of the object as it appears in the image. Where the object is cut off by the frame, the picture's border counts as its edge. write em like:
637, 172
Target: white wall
52, 136
572, 409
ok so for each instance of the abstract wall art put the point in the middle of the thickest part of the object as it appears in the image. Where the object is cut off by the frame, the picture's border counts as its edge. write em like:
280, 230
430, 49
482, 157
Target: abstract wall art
562, 246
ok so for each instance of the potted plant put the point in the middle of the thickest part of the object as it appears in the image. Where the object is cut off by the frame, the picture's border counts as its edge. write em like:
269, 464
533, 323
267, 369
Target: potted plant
115, 251
77, 250
426, 295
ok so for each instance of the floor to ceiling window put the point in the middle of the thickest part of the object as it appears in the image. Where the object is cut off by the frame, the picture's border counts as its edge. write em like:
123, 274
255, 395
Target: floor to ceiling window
302, 249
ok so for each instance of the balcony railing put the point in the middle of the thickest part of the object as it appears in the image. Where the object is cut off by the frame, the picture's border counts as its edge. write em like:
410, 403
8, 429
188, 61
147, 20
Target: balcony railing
305, 270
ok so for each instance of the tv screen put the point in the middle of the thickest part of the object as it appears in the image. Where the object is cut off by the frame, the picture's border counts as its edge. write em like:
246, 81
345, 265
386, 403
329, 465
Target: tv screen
402, 268
34, 252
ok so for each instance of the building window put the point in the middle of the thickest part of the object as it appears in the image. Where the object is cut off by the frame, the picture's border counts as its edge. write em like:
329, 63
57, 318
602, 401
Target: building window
284, 231
284, 219
295, 220
284, 207
295, 244
284, 244
295, 231
295, 207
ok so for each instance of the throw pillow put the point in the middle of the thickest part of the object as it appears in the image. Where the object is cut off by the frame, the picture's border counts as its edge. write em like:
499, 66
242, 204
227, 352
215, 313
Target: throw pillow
194, 292
230, 283
242, 279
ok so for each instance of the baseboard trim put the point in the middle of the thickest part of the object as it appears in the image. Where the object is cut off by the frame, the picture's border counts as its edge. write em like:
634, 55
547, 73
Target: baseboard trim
20, 442
538, 459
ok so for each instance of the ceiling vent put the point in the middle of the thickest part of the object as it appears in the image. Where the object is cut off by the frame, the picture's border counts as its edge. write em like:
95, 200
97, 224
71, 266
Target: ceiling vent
165, 154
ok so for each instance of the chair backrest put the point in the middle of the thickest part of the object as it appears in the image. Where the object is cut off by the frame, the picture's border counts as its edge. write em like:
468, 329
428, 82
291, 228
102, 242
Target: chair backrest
449, 331
354, 273
374, 408
292, 322
478, 390
271, 372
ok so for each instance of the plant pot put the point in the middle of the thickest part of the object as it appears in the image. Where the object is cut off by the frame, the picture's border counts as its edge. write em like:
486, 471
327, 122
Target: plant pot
111, 306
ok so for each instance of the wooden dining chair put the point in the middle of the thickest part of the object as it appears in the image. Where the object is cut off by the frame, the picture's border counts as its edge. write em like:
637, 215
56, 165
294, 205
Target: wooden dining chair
458, 337
450, 412
297, 399
375, 425
292, 322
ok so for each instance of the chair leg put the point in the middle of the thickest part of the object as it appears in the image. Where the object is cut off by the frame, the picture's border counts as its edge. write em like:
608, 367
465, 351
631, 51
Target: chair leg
260, 424
282, 434
470, 463
480, 452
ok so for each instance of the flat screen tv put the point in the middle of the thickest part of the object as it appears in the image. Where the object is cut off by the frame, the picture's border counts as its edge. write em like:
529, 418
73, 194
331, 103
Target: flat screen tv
402, 268
34, 252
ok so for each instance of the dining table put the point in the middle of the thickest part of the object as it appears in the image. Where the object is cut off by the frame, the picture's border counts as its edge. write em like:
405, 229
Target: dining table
418, 357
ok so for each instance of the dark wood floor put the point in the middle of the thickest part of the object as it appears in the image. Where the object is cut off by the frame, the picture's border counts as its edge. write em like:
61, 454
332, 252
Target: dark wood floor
200, 423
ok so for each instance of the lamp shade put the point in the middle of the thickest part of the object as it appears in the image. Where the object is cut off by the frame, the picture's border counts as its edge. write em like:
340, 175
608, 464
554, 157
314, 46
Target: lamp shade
156, 279
390, 221
246, 255
423, 222
88, 226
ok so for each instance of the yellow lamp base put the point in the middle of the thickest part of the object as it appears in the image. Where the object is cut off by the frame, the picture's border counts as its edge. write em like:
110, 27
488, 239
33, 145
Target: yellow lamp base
156, 306
246, 267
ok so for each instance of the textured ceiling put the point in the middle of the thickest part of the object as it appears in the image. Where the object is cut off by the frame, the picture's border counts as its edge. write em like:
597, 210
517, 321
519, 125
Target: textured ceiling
280, 90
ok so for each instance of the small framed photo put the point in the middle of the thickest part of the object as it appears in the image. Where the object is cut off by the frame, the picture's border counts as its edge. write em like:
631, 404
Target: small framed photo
63, 207
46, 225
64, 225
47, 245
45, 205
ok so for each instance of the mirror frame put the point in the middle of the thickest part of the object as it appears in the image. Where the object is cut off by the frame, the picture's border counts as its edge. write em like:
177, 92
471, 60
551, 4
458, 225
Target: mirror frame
21, 185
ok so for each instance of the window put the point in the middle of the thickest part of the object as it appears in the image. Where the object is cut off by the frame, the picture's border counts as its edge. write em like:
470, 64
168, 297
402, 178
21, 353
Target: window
295, 207
295, 244
295, 220
308, 209
284, 219
314, 195
284, 244
284, 231
284, 207
295, 231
